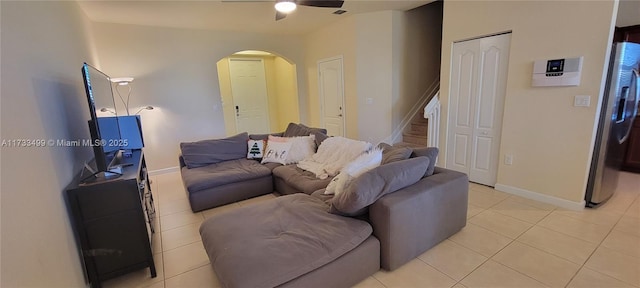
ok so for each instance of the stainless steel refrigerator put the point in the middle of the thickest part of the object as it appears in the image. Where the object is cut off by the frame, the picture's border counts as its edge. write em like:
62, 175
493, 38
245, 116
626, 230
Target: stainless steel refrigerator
619, 108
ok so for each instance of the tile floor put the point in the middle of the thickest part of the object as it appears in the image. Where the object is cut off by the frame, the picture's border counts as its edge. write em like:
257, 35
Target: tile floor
509, 241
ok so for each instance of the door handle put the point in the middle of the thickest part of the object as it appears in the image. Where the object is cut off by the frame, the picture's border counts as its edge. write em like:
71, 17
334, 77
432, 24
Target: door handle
237, 111
634, 84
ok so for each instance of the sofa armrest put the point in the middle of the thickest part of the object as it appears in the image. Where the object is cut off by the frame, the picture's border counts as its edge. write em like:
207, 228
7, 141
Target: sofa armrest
181, 160
410, 221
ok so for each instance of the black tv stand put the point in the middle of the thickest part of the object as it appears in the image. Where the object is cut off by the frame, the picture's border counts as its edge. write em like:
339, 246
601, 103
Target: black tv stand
114, 221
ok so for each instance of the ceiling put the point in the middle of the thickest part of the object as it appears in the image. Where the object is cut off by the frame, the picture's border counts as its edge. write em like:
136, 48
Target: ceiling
259, 15
243, 15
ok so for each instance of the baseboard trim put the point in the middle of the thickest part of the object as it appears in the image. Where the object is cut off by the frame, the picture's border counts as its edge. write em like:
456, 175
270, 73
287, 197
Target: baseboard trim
164, 171
541, 197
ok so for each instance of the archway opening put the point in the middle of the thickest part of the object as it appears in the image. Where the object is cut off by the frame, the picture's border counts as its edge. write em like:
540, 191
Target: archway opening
259, 92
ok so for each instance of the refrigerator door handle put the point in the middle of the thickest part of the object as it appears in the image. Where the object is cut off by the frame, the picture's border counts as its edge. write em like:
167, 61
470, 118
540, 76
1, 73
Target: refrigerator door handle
636, 90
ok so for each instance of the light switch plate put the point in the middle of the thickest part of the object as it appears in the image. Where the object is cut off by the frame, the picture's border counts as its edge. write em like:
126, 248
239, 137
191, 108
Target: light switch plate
582, 101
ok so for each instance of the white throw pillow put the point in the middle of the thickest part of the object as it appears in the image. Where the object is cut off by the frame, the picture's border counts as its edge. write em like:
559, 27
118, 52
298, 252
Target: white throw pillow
255, 149
355, 168
364, 162
276, 152
301, 147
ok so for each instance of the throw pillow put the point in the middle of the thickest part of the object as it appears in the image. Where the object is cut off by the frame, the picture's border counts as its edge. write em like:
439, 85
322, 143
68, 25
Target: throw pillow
206, 152
431, 153
301, 147
276, 152
256, 149
375, 183
395, 153
355, 168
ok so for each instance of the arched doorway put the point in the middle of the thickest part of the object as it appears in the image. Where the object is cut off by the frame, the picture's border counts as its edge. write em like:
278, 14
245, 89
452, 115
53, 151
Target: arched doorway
259, 92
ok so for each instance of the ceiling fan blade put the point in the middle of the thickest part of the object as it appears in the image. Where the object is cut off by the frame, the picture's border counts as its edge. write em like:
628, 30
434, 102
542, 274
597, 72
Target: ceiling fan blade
321, 3
280, 15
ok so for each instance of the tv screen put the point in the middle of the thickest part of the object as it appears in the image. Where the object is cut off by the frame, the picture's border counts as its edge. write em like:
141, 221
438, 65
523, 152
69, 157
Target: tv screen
103, 126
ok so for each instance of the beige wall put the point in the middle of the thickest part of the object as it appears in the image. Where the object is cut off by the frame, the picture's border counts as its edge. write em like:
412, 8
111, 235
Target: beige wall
286, 93
176, 72
43, 47
390, 57
282, 92
226, 96
550, 140
374, 74
336, 39
416, 59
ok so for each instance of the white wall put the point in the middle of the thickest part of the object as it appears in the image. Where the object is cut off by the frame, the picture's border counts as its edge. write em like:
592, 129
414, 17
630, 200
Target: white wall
550, 140
176, 72
390, 57
43, 47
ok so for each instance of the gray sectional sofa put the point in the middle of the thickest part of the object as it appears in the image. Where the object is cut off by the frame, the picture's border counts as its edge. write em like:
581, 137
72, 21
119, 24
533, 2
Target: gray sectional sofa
385, 218
216, 172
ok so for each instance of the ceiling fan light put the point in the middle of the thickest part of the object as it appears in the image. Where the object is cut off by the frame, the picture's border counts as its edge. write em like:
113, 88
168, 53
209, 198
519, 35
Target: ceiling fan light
285, 6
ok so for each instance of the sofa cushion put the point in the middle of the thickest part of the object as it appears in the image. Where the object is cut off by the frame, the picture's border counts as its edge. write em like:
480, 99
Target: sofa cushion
222, 173
264, 136
276, 241
300, 180
382, 180
294, 129
431, 153
205, 152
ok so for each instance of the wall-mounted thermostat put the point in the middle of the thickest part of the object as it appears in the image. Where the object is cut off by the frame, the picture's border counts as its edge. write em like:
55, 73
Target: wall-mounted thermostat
557, 72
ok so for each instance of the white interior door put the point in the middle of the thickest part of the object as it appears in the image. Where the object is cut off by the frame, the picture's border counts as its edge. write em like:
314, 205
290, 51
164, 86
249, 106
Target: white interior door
331, 94
249, 89
478, 85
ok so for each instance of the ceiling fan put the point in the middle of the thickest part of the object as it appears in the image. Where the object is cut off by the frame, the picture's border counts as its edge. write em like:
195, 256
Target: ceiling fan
284, 7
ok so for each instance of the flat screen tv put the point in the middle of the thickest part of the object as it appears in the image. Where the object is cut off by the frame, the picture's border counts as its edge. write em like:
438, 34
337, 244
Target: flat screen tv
103, 126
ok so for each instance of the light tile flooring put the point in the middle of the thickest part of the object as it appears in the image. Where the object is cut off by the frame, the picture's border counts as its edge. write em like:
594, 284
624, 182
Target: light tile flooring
509, 241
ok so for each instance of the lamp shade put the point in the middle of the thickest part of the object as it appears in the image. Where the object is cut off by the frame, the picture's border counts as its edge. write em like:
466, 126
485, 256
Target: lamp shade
122, 80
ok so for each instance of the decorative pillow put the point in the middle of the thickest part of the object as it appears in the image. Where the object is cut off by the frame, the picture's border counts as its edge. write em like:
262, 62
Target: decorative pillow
276, 152
339, 179
355, 168
375, 183
256, 149
431, 153
206, 152
301, 147
393, 154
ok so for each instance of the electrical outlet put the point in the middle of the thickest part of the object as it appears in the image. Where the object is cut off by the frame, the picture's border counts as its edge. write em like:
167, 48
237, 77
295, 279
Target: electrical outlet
508, 159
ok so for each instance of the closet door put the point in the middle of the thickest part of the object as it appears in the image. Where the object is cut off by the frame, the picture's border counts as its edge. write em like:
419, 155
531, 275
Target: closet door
478, 84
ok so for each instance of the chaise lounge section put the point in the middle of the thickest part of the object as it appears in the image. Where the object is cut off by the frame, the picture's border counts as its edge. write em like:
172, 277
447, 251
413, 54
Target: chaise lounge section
292, 241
